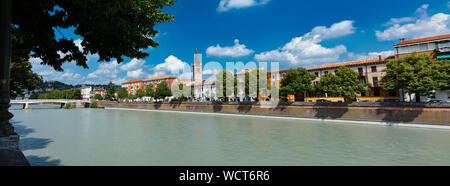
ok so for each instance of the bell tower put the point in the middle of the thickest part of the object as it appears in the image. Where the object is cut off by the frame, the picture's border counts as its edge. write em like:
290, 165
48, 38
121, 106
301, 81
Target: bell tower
197, 74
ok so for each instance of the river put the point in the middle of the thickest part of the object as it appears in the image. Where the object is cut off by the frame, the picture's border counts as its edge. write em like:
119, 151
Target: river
53, 136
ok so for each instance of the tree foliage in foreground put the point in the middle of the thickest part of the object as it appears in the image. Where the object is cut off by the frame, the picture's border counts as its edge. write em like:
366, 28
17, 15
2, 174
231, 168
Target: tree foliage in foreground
418, 74
22, 77
344, 83
111, 29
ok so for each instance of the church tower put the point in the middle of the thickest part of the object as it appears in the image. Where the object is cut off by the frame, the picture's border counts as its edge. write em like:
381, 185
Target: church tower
197, 75
197, 68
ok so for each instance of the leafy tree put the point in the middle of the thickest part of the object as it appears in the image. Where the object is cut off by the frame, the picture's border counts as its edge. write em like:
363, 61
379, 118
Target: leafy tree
22, 77
418, 74
98, 97
254, 74
296, 81
122, 93
221, 83
149, 90
110, 90
162, 91
140, 93
74, 93
179, 93
132, 23
342, 84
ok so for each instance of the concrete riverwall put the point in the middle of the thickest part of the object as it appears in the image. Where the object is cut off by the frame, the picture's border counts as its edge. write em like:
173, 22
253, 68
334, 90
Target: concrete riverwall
405, 114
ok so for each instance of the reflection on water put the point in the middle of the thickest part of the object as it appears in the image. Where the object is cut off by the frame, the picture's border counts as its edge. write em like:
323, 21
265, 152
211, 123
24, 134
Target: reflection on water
114, 137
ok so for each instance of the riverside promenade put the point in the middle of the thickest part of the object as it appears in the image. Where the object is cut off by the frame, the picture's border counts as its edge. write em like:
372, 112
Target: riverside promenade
432, 114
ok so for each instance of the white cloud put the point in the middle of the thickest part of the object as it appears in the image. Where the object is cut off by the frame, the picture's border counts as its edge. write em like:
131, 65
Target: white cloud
135, 73
422, 26
171, 64
70, 75
78, 44
210, 71
238, 50
307, 49
225, 5
133, 64
395, 21
106, 70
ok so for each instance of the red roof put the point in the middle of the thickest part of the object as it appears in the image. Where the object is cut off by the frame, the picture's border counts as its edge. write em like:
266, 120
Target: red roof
352, 63
424, 39
150, 79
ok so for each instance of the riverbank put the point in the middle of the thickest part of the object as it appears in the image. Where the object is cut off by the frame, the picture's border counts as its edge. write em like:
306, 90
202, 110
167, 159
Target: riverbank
412, 116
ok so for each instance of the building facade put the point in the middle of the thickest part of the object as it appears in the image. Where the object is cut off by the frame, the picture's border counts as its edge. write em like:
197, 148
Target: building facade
133, 85
98, 90
86, 93
436, 46
370, 72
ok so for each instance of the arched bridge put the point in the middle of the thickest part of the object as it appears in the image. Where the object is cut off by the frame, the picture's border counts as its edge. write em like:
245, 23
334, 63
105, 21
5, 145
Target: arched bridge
62, 102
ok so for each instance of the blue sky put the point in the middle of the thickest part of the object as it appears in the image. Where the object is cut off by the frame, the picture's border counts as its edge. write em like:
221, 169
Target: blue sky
295, 33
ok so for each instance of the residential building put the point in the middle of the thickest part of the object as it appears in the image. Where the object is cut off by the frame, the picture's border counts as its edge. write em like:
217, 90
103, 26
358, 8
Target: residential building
98, 90
133, 85
86, 93
370, 71
436, 46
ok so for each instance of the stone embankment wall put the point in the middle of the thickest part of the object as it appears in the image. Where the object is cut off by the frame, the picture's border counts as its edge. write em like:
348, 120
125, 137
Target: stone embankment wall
387, 112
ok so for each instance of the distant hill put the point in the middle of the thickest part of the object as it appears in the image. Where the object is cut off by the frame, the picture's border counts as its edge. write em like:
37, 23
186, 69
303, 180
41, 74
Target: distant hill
53, 85
48, 86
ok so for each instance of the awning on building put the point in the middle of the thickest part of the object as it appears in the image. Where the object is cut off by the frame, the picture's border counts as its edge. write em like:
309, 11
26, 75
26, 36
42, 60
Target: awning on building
443, 56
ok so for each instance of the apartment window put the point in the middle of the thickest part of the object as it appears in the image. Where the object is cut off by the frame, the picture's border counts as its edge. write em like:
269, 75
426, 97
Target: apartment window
317, 74
326, 72
362, 80
444, 44
335, 71
360, 71
423, 47
374, 68
375, 81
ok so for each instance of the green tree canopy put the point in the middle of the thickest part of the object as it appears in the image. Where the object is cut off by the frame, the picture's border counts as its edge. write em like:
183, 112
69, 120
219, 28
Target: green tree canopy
140, 93
111, 29
221, 83
162, 91
296, 81
254, 74
418, 74
149, 90
122, 93
180, 92
98, 97
342, 84
74, 93
110, 90
22, 77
